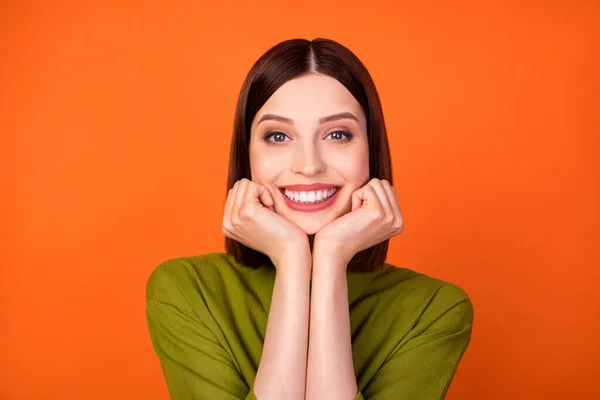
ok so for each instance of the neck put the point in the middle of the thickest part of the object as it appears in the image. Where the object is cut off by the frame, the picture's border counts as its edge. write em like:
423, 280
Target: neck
311, 240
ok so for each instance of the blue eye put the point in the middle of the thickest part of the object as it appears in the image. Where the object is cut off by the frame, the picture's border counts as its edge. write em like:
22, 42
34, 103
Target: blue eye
276, 137
340, 135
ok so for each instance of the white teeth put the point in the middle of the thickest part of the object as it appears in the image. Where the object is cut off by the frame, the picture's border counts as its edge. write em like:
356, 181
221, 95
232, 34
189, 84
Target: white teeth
312, 197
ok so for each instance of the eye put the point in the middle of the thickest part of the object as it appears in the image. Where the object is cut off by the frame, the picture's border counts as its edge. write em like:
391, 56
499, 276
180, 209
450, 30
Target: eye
339, 135
276, 137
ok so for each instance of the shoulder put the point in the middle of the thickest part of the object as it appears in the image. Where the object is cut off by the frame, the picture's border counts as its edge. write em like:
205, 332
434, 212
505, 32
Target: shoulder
427, 298
414, 284
185, 277
450, 308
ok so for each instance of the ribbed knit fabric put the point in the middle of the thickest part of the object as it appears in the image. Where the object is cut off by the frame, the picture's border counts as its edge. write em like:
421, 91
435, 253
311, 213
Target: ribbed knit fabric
207, 317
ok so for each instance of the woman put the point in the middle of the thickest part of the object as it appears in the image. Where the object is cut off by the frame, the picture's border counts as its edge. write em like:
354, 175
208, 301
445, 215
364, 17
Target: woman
303, 305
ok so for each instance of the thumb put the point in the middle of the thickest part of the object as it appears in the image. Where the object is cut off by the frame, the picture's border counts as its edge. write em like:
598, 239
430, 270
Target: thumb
265, 197
357, 198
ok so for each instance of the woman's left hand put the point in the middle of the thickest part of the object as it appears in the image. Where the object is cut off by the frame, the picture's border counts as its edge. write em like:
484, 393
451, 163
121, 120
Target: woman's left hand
375, 217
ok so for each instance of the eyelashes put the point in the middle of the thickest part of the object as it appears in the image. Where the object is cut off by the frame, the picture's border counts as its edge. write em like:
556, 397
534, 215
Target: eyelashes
343, 133
280, 137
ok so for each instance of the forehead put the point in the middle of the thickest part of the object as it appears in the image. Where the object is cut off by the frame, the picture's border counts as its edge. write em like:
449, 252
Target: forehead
309, 97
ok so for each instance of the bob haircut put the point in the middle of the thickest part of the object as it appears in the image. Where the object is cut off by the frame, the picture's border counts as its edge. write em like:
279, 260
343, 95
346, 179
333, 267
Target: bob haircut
288, 60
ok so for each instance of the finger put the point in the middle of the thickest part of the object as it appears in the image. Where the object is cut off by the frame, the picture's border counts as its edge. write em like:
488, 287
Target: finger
238, 201
229, 203
257, 193
363, 197
370, 201
391, 192
251, 197
357, 198
227, 226
392, 196
377, 185
265, 197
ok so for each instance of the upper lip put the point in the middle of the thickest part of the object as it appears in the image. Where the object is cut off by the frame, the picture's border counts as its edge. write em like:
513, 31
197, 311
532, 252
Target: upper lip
308, 188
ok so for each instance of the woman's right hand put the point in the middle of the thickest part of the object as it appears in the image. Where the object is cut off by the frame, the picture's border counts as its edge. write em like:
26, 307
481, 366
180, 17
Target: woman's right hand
250, 219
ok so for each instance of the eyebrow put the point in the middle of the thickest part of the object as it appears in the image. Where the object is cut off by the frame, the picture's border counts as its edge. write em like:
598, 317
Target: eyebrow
329, 118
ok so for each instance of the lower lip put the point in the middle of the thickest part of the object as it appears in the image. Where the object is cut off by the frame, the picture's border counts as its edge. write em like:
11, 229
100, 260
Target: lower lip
311, 207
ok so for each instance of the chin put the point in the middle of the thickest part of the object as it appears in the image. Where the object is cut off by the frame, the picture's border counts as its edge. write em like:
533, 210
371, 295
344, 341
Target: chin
308, 226
313, 222
311, 230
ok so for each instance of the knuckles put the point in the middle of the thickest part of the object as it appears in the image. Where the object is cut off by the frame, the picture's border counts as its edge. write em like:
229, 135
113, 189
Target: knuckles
227, 225
246, 212
388, 219
377, 216
234, 224
226, 231
380, 181
398, 227
232, 221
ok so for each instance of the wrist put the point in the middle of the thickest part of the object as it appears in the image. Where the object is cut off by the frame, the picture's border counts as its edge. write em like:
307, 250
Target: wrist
325, 252
328, 259
293, 253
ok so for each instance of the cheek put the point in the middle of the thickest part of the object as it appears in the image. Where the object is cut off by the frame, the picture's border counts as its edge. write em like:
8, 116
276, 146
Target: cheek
356, 173
264, 170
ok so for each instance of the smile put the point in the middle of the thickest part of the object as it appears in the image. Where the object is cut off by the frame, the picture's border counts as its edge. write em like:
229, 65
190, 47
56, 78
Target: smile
310, 198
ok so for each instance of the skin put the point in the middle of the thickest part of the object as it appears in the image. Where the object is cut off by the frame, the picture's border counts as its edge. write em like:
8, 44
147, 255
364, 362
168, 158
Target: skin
307, 246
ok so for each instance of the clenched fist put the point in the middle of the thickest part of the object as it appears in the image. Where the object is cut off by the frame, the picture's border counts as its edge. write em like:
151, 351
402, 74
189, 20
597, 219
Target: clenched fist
250, 219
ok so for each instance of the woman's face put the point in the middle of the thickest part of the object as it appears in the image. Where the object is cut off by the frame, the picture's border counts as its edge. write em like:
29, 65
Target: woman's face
308, 147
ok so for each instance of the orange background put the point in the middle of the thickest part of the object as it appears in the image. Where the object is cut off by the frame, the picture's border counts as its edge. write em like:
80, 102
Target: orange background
115, 124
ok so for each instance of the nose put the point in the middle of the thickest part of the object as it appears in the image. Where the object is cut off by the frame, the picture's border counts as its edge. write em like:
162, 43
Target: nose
307, 160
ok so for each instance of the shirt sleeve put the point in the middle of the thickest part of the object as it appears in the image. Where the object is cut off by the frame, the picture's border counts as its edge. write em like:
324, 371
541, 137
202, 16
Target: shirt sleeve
194, 364
423, 367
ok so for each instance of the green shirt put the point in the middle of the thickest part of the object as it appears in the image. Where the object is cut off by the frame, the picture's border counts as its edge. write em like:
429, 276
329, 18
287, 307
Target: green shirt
207, 317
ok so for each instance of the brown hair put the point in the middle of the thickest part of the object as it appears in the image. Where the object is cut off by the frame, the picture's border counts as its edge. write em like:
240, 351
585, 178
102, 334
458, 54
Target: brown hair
283, 62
